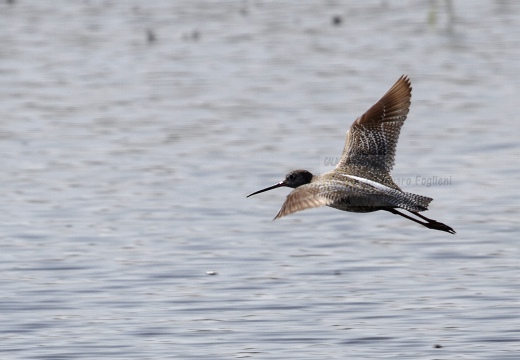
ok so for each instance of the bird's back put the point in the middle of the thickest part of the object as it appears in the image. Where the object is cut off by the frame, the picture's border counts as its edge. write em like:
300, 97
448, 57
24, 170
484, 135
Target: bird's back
349, 192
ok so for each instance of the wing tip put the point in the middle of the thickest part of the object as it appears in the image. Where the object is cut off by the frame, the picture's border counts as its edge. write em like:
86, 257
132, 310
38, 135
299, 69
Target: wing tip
405, 83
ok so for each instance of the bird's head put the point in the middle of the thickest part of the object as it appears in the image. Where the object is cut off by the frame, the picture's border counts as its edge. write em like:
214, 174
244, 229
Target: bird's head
293, 180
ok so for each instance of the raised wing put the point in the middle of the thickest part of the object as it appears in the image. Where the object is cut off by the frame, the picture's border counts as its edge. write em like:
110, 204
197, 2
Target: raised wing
372, 138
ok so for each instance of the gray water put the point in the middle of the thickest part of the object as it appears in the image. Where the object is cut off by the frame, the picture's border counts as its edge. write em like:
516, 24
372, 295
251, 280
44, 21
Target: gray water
131, 133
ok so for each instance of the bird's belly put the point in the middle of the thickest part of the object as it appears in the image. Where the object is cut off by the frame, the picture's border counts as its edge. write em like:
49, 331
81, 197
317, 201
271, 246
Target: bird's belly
360, 204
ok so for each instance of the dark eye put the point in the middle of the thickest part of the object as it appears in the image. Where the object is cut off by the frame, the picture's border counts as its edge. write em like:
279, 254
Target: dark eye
291, 177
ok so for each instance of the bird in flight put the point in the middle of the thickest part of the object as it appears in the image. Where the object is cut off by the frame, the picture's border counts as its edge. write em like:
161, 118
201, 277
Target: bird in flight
361, 181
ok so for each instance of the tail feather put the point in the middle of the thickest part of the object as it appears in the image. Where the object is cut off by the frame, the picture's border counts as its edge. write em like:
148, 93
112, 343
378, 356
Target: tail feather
414, 202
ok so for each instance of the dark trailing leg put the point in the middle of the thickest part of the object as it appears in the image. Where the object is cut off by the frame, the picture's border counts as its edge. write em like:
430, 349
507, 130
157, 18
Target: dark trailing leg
430, 223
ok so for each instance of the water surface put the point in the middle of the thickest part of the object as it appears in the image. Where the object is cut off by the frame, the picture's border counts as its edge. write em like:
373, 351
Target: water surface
131, 132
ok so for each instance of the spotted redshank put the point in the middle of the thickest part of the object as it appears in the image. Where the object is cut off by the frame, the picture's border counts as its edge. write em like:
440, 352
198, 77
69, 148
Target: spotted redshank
361, 182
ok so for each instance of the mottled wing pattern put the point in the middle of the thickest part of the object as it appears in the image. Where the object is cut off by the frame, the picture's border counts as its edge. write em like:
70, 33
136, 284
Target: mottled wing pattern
355, 194
372, 138
309, 196
381, 195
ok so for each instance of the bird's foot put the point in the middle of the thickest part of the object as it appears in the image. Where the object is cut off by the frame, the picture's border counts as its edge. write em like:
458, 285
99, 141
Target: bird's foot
433, 224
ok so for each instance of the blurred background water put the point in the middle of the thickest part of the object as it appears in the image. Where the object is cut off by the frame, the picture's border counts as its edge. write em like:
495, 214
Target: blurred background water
131, 132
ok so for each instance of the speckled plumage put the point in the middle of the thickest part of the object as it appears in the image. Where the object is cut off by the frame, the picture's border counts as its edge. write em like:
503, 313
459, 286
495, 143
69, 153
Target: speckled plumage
336, 190
361, 182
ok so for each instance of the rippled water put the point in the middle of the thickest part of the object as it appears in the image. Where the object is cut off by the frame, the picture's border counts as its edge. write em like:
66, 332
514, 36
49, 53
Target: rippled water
131, 132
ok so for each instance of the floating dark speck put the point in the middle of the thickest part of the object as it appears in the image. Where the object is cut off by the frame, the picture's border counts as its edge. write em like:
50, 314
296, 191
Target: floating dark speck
150, 36
337, 20
194, 35
437, 346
